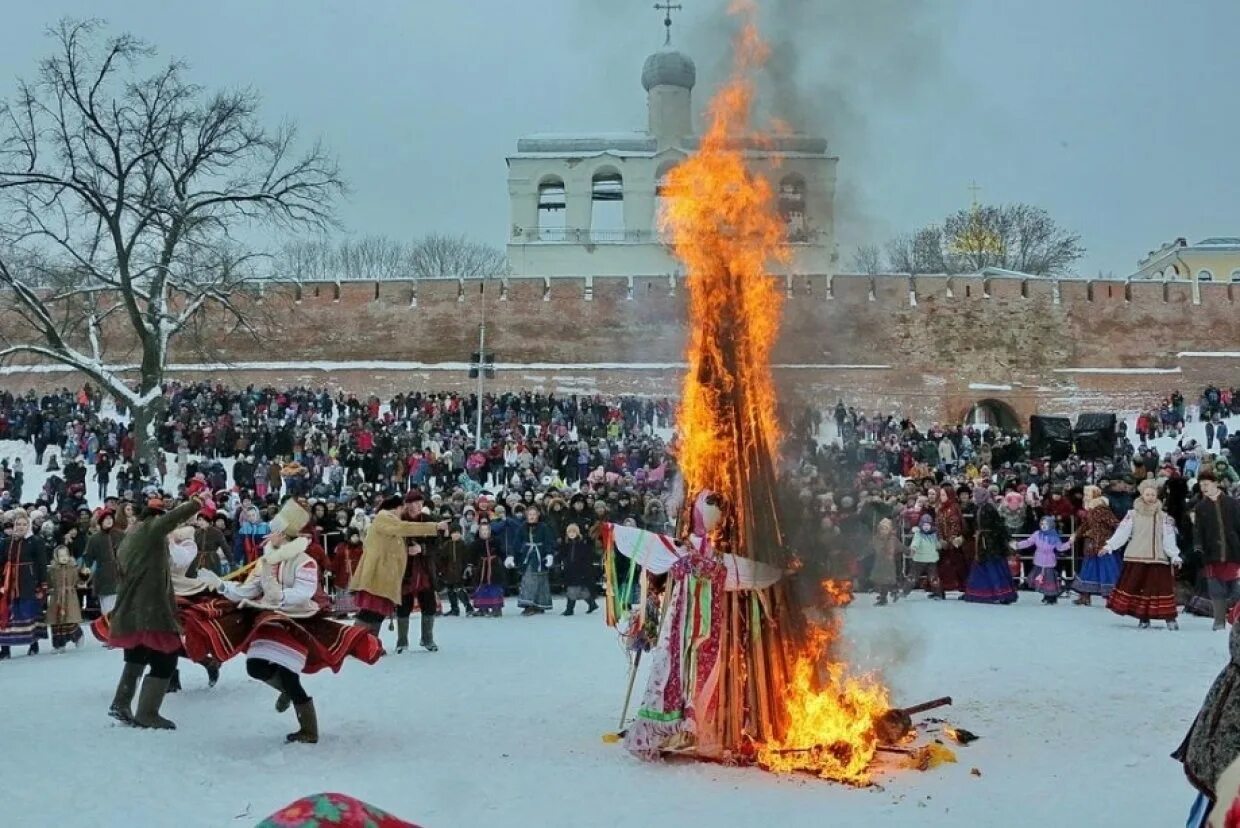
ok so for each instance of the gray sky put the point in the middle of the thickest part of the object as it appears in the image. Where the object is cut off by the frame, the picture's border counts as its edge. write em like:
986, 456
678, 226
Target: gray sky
1118, 117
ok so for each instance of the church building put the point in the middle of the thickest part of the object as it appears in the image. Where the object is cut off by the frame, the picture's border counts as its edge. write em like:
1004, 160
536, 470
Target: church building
588, 205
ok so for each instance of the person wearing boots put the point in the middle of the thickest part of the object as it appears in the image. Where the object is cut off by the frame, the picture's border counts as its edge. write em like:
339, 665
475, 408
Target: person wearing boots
377, 583
451, 557
144, 622
1146, 587
579, 564
531, 551
100, 557
1216, 536
23, 585
418, 584
285, 628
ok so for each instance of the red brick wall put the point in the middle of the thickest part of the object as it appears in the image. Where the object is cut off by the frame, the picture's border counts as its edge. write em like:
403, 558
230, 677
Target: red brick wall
994, 331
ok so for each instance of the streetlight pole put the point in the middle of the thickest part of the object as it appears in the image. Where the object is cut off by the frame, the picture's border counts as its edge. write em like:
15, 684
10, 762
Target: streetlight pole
481, 366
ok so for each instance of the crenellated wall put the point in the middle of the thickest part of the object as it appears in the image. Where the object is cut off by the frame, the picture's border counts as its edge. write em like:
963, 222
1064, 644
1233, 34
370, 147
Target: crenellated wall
922, 341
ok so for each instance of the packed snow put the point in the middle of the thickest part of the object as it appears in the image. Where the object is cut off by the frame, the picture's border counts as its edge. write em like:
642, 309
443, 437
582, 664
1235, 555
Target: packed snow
1077, 711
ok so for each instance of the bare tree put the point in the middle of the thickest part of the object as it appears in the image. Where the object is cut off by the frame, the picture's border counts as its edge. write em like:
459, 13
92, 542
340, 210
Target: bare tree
122, 195
918, 253
1017, 237
438, 256
868, 259
374, 258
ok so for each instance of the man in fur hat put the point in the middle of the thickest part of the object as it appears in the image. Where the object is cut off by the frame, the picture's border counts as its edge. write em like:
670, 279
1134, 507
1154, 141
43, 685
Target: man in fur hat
286, 629
1216, 537
380, 573
420, 582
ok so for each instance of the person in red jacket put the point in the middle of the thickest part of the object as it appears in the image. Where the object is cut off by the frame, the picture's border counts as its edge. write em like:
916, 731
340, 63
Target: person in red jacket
345, 558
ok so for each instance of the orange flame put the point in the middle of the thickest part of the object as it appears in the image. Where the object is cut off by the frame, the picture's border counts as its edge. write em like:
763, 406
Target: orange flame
839, 593
725, 226
830, 725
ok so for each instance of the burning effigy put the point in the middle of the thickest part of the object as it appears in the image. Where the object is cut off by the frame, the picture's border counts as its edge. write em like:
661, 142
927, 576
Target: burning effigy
743, 668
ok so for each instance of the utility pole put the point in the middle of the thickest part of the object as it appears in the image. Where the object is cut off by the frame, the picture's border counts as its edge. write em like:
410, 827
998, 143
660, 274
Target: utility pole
482, 365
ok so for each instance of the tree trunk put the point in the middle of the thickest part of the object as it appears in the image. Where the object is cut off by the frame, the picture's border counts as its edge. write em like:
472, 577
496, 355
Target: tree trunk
145, 418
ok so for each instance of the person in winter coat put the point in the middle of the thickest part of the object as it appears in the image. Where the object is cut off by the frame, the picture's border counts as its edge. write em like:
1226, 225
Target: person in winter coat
23, 584
486, 572
990, 580
451, 558
1213, 740
380, 573
144, 621
1146, 587
579, 563
1216, 538
925, 557
1098, 572
100, 557
212, 548
1047, 544
885, 569
248, 540
64, 608
531, 551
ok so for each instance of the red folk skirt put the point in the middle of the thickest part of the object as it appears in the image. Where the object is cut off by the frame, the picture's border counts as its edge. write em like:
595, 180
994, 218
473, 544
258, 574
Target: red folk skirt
163, 642
1145, 591
220, 631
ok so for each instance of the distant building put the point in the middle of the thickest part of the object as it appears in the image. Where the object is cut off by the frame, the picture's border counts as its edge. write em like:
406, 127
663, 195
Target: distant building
1211, 260
588, 205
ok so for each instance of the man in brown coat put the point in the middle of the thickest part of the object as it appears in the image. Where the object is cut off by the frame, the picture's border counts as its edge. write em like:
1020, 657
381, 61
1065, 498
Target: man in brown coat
380, 572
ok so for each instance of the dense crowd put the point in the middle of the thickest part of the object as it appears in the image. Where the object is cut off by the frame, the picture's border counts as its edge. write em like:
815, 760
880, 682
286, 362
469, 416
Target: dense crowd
881, 503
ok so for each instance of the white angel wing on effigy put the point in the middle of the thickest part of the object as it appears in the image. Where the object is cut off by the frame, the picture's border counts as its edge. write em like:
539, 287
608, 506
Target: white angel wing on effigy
658, 553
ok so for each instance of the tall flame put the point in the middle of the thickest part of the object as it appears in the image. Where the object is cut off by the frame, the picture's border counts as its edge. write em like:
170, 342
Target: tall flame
725, 226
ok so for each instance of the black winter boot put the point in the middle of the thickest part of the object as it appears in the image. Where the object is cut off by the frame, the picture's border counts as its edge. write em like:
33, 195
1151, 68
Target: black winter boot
149, 702
307, 724
428, 633
174, 683
569, 609
126, 688
402, 634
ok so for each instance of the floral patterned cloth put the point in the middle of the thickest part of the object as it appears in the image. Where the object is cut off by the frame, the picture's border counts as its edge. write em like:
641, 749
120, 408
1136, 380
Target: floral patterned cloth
332, 810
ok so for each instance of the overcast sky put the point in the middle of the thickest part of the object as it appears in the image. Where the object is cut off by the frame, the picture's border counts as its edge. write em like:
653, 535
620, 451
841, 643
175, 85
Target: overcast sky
1118, 117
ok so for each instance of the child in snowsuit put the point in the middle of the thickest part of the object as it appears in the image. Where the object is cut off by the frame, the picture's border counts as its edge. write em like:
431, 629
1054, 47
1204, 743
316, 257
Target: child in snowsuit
884, 572
925, 557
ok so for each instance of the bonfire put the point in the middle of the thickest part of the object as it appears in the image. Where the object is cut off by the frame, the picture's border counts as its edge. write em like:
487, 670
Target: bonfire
746, 670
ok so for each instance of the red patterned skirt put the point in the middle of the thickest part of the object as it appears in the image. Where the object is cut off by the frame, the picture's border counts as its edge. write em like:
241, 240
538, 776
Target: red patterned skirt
162, 642
223, 631
369, 602
1145, 591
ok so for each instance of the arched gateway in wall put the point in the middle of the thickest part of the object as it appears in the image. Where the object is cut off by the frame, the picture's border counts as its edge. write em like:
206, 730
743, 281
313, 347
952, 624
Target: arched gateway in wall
993, 413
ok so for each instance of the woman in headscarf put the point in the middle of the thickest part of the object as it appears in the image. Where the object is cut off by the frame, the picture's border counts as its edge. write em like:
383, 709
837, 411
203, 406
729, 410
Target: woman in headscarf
1146, 587
990, 580
949, 521
1098, 572
1213, 741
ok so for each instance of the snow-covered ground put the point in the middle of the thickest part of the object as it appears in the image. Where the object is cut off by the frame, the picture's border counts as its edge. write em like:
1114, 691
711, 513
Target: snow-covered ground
1077, 710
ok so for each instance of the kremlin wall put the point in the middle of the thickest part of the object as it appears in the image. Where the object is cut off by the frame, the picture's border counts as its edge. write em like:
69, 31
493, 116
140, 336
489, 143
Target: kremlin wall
931, 346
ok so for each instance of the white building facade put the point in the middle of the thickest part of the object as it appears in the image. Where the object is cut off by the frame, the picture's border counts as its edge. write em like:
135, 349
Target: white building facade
588, 205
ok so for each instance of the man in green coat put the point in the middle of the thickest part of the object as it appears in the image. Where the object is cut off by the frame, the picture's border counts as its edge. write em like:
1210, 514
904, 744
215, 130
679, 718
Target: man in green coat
144, 622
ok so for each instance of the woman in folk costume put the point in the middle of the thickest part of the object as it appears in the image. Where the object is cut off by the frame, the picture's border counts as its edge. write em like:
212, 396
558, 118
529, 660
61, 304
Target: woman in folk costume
1146, 587
949, 522
144, 621
286, 628
990, 580
1212, 743
345, 558
1098, 572
377, 583
1047, 543
100, 558
23, 584
191, 590
532, 551
487, 572
64, 608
